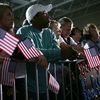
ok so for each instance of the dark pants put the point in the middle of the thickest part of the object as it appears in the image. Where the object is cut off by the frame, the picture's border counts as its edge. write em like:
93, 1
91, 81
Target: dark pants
31, 96
7, 93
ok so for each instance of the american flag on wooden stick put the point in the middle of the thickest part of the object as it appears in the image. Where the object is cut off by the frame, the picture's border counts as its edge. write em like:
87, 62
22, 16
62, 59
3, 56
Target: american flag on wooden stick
92, 56
7, 72
28, 49
8, 42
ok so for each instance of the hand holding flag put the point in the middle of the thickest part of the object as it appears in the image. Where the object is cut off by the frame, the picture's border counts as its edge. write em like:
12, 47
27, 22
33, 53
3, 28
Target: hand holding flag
30, 52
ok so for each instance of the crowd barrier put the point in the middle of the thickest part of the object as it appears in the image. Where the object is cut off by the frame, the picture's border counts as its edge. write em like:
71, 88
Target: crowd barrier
90, 81
65, 68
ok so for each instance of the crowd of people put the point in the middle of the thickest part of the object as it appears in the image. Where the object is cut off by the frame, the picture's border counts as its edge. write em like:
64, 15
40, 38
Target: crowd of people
56, 39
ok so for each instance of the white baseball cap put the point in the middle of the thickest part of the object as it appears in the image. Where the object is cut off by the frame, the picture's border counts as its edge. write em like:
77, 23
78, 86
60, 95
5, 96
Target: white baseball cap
34, 9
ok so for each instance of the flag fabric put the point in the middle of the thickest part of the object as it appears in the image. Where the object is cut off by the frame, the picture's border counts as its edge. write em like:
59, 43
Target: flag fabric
92, 57
7, 74
28, 49
8, 43
53, 85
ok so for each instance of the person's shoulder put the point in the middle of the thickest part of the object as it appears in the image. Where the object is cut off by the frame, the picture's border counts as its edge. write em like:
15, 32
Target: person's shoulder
48, 31
72, 41
88, 44
23, 29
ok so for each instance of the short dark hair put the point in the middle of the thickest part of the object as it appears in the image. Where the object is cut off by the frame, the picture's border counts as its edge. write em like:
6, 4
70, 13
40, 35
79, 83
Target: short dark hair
75, 29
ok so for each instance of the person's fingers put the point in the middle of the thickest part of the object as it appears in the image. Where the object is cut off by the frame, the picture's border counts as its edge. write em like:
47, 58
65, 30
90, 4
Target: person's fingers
67, 51
42, 61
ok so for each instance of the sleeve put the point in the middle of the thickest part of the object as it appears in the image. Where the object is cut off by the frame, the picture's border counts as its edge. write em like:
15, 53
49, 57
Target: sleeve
53, 52
22, 33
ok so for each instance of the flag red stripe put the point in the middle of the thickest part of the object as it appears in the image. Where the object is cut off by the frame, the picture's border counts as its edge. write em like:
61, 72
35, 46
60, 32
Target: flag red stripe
3, 45
6, 65
32, 54
7, 78
7, 45
88, 55
6, 50
40, 52
10, 43
27, 51
93, 61
24, 51
35, 53
53, 84
12, 38
4, 72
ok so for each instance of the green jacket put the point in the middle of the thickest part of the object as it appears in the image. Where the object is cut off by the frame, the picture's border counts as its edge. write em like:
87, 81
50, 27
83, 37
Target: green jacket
47, 43
44, 40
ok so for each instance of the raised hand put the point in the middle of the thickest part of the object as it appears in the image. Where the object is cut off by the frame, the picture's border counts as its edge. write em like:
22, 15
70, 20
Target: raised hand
41, 60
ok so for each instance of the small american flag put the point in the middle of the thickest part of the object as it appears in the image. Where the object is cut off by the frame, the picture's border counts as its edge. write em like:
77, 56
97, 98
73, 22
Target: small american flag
53, 85
8, 42
92, 57
8, 72
28, 49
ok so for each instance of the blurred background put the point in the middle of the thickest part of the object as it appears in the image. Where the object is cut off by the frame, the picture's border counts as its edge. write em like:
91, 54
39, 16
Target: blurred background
80, 11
